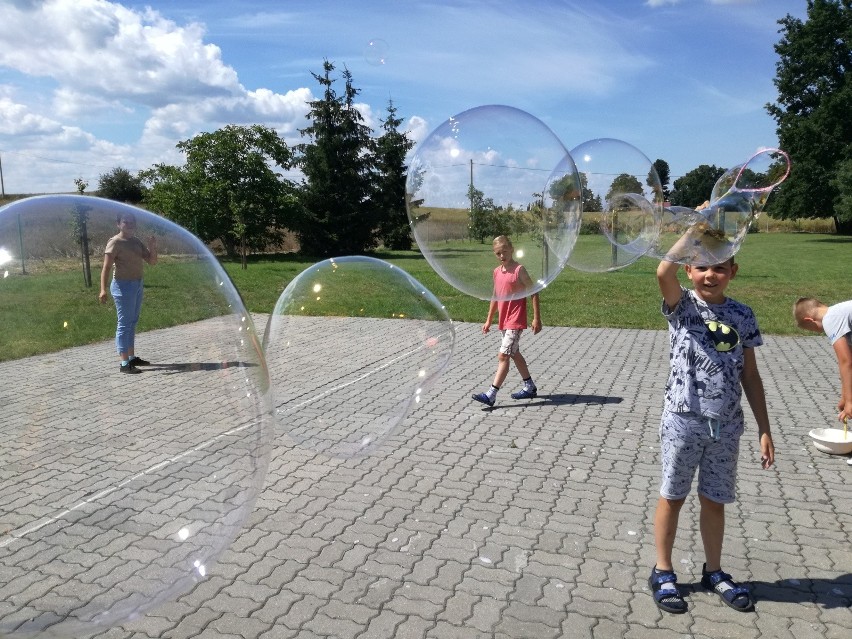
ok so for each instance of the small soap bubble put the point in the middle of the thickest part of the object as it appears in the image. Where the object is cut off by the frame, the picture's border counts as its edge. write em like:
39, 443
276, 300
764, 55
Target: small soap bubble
376, 52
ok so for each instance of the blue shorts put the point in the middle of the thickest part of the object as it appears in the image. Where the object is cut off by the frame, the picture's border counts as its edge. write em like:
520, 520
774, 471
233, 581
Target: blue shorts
689, 441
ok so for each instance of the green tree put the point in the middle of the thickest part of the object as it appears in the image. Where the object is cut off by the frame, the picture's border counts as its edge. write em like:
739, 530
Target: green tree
338, 164
389, 188
664, 173
624, 183
80, 230
696, 186
564, 190
121, 185
228, 190
843, 184
486, 220
813, 111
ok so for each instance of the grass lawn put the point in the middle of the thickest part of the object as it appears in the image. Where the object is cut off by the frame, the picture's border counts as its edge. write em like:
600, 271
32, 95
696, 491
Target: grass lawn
50, 311
775, 269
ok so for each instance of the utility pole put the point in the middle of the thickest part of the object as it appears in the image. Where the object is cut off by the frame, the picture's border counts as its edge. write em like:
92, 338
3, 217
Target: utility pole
471, 186
2, 186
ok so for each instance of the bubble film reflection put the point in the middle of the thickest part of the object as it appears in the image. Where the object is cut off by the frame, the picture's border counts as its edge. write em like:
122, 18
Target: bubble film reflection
622, 205
484, 173
715, 232
353, 345
700, 238
119, 492
747, 186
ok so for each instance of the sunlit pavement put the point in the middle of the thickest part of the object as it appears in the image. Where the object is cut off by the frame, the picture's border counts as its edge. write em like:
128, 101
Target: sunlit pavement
534, 518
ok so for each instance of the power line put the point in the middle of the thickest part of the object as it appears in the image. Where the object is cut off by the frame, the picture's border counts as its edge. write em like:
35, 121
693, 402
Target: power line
55, 160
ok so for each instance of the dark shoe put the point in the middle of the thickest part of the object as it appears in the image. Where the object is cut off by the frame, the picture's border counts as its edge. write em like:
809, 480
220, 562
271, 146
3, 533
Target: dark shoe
482, 397
138, 361
667, 599
730, 592
128, 369
525, 393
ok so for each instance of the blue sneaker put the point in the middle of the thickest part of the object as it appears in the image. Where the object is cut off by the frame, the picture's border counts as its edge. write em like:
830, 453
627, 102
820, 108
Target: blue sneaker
482, 397
525, 393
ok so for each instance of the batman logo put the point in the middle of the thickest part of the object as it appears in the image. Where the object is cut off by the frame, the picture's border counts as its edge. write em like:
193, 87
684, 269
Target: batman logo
725, 338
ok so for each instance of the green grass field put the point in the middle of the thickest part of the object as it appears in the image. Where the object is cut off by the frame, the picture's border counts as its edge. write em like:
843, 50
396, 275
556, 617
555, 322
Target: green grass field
47, 312
775, 269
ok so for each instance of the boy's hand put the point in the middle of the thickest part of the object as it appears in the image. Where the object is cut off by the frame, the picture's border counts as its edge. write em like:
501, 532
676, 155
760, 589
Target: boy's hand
486, 327
767, 451
845, 409
536, 326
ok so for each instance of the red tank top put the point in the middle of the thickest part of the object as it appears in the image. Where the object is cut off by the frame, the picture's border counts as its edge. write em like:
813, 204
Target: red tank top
512, 314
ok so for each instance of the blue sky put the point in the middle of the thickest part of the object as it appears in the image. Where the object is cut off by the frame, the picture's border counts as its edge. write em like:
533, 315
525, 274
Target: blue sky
88, 85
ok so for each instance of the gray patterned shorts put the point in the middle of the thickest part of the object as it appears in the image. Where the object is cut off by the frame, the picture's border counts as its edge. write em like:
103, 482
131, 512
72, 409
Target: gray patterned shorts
687, 442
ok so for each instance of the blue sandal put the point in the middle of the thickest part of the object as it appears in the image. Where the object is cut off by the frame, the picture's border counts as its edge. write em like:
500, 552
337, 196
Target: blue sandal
667, 597
730, 592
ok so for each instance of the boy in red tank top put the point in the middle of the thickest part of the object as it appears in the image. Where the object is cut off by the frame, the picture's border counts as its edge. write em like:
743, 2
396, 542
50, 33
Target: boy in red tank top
510, 278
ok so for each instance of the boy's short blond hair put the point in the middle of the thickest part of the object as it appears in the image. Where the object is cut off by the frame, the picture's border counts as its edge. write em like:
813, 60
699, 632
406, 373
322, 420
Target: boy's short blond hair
501, 239
805, 307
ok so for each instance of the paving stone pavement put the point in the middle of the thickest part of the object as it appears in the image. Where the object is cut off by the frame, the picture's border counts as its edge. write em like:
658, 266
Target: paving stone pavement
529, 520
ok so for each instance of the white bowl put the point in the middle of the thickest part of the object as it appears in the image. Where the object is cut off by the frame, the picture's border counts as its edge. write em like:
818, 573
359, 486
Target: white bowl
831, 441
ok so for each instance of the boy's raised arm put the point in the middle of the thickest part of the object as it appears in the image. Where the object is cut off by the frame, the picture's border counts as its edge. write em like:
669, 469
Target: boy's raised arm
669, 284
667, 270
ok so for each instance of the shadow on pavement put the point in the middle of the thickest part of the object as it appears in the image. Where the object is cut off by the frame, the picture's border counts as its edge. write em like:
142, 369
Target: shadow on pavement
194, 366
827, 593
558, 399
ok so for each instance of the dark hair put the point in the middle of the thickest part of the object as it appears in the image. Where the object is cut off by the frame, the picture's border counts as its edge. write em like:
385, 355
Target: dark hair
124, 216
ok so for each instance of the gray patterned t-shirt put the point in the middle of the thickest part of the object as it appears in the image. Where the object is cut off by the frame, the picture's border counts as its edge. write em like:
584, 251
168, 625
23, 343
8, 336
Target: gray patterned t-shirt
837, 322
706, 355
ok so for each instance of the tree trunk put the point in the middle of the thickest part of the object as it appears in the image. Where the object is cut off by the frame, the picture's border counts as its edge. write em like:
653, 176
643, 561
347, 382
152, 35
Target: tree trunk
843, 227
230, 247
87, 267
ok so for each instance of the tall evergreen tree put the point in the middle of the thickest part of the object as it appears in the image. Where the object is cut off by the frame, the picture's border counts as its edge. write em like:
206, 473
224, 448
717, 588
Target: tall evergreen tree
814, 111
338, 164
664, 173
389, 195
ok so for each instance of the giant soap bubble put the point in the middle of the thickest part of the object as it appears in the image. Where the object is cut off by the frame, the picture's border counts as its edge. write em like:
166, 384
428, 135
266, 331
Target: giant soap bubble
352, 344
716, 230
118, 492
746, 187
622, 205
483, 173
700, 237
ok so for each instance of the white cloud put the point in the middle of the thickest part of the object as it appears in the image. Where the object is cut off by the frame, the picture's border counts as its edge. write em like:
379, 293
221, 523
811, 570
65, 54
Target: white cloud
68, 103
660, 3
112, 68
417, 129
16, 119
283, 112
102, 47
